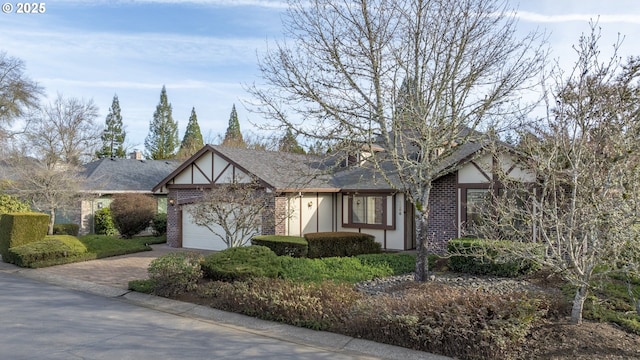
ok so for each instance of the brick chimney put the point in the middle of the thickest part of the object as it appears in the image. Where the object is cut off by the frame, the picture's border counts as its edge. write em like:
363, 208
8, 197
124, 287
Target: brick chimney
136, 155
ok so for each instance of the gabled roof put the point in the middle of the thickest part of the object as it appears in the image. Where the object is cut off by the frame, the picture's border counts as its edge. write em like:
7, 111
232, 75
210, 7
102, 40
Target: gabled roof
111, 175
295, 172
279, 171
368, 178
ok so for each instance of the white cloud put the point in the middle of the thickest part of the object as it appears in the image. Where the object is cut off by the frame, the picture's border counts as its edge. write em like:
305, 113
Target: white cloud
561, 18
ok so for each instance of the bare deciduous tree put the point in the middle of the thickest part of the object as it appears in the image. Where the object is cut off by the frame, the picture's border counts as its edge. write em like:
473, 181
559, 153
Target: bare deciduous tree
18, 93
233, 212
64, 132
585, 158
339, 78
46, 169
48, 189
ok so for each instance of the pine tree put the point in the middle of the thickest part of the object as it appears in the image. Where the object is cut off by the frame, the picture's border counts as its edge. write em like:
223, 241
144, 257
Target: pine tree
113, 134
233, 136
192, 140
289, 144
162, 140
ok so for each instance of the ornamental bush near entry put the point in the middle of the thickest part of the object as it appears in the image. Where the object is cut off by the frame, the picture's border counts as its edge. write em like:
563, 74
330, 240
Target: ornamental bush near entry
132, 213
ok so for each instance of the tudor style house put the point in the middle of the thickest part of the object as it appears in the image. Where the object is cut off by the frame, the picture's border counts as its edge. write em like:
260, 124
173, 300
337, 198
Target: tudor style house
312, 197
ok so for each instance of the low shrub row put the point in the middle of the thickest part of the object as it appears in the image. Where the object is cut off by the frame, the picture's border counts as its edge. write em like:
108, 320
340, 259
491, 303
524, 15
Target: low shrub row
496, 258
331, 244
319, 245
66, 229
294, 246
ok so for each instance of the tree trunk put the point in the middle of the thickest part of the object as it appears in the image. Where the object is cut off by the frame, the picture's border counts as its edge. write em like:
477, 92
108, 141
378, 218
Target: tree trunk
422, 258
52, 221
578, 304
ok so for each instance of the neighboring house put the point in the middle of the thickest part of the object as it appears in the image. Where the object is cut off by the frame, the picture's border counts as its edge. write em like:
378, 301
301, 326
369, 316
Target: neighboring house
316, 198
109, 176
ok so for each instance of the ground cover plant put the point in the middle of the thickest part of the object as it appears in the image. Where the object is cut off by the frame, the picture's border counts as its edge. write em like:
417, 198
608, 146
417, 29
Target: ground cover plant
459, 319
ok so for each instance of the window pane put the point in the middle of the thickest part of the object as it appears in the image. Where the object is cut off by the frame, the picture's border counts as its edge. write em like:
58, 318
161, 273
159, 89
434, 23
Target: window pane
476, 199
368, 210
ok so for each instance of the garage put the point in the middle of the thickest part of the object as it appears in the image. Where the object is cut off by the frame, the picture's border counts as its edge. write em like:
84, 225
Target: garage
199, 237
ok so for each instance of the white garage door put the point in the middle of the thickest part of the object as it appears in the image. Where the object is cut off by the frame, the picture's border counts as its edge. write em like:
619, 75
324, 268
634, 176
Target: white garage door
198, 237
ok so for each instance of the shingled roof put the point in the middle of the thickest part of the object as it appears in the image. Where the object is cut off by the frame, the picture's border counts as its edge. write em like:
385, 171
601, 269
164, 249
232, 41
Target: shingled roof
280, 170
297, 172
111, 175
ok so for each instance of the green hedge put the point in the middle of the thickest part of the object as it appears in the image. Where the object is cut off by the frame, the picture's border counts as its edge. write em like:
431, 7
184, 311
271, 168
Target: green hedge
294, 246
332, 244
21, 228
496, 258
241, 263
46, 250
66, 229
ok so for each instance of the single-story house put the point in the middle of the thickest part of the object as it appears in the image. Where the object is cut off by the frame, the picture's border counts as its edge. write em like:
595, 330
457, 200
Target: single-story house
109, 176
316, 198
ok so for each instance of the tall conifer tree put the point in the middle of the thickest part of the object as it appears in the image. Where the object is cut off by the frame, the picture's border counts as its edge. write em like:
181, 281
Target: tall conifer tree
113, 134
289, 143
192, 140
233, 136
162, 140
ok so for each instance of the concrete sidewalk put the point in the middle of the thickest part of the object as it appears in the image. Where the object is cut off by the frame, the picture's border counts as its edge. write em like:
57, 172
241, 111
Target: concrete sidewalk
109, 277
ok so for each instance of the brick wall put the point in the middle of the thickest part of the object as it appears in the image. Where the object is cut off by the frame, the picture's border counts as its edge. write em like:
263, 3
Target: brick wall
280, 215
443, 214
180, 197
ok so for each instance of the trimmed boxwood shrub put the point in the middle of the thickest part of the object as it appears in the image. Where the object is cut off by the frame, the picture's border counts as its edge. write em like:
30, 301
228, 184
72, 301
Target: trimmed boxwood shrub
45, 251
104, 223
330, 244
489, 257
294, 246
241, 263
159, 224
66, 229
21, 228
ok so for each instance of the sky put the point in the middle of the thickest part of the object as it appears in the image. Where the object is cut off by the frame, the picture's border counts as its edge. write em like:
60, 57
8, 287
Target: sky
206, 51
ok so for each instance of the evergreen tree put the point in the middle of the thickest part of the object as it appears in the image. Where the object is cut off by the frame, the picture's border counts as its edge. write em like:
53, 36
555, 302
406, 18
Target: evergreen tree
233, 136
289, 144
113, 134
162, 140
192, 140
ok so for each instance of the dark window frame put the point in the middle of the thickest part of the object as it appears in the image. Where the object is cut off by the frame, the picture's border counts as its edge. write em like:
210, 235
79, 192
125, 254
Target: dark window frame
384, 225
